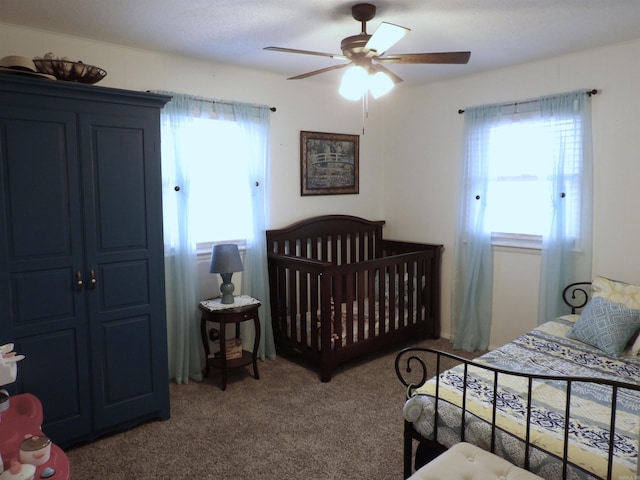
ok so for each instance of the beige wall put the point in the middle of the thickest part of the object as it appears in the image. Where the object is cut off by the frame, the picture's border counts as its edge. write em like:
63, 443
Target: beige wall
409, 155
425, 169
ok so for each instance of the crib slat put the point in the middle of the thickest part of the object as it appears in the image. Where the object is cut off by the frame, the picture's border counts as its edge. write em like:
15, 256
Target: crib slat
306, 315
360, 302
314, 309
324, 247
351, 248
371, 304
292, 308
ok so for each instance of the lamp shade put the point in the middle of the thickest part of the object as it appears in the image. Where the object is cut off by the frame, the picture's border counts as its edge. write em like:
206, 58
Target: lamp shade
225, 258
358, 79
380, 84
354, 83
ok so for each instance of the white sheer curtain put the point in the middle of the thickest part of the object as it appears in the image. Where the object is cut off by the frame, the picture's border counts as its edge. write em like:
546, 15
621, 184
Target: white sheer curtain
473, 263
567, 247
179, 152
563, 173
180, 250
255, 122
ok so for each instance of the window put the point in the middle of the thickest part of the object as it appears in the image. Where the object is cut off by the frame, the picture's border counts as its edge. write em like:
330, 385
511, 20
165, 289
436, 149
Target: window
221, 195
521, 178
526, 182
220, 201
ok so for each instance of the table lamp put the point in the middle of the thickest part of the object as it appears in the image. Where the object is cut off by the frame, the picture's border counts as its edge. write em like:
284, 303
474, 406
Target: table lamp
225, 259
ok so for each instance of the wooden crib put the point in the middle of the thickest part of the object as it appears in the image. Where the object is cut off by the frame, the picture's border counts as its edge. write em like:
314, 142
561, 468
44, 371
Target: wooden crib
338, 290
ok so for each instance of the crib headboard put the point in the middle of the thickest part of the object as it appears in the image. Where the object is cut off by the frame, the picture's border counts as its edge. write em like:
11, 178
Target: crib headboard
339, 239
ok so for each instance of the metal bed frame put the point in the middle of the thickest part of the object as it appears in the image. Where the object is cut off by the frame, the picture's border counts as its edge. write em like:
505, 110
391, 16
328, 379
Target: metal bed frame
411, 369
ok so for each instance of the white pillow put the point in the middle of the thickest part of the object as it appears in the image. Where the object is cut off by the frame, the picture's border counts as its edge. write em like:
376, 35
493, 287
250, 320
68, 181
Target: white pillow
618, 292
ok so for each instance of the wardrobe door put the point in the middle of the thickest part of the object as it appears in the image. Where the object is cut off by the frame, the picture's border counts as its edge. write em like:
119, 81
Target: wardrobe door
124, 261
42, 297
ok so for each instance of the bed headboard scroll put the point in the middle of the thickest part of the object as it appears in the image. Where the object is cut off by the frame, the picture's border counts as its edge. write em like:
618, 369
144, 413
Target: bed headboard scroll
577, 295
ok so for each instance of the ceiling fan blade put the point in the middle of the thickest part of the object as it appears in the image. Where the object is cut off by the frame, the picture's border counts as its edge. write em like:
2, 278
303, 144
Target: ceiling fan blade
385, 36
445, 57
306, 52
317, 72
396, 79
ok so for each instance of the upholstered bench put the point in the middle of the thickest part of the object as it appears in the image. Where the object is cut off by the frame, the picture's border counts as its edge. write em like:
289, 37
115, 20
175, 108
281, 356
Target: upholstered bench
464, 461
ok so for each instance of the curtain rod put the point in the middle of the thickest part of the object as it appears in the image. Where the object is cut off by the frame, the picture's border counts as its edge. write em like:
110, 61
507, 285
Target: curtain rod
222, 102
210, 100
588, 92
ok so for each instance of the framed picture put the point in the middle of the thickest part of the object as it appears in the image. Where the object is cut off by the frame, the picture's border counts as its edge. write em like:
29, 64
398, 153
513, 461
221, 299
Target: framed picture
329, 163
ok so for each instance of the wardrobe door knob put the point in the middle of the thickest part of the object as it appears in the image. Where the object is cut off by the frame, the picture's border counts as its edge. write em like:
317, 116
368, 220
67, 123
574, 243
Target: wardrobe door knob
79, 281
93, 280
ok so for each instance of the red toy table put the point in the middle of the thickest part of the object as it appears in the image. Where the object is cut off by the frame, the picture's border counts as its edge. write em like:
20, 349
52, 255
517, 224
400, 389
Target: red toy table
24, 416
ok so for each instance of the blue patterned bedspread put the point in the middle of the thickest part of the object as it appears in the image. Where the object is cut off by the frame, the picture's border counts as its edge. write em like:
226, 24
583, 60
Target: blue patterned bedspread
544, 350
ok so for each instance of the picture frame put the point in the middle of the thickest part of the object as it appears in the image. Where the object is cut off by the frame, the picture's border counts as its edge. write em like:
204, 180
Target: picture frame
329, 163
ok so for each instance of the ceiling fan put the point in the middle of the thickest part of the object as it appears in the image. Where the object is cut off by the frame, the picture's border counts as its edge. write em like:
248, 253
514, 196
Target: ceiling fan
367, 53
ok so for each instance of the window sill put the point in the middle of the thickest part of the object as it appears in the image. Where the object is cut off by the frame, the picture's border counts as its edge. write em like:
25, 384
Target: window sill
514, 241
204, 249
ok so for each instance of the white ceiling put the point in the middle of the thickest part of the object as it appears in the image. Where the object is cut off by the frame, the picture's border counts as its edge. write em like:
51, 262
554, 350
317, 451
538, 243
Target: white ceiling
498, 33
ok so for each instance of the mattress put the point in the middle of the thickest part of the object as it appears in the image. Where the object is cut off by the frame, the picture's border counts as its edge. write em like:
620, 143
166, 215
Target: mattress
350, 321
544, 350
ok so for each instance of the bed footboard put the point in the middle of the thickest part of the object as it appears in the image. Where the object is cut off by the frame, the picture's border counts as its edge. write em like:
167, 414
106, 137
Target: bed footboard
480, 405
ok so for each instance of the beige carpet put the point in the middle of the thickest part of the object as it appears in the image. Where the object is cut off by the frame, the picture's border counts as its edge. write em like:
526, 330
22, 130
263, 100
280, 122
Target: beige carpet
286, 425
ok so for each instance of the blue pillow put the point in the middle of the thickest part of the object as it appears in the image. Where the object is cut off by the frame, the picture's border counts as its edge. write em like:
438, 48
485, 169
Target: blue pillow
606, 325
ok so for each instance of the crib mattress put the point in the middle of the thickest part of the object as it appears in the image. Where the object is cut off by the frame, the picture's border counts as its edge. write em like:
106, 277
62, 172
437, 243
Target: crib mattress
350, 321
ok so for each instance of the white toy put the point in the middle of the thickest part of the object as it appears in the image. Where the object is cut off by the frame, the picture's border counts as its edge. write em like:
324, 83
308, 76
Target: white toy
19, 471
8, 364
8, 371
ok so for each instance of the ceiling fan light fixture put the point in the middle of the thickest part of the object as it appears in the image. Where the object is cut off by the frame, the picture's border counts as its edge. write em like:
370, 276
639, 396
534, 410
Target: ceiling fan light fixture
354, 83
366, 55
380, 84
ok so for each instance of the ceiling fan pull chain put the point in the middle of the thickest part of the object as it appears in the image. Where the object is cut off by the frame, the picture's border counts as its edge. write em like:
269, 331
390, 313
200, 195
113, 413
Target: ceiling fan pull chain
362, 113
365, 109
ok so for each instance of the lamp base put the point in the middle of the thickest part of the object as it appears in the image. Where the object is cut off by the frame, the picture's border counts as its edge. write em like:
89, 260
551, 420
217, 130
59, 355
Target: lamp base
226, 289
227, 298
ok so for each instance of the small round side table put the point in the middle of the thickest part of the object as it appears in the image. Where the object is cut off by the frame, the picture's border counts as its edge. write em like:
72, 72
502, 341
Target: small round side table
244, 308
